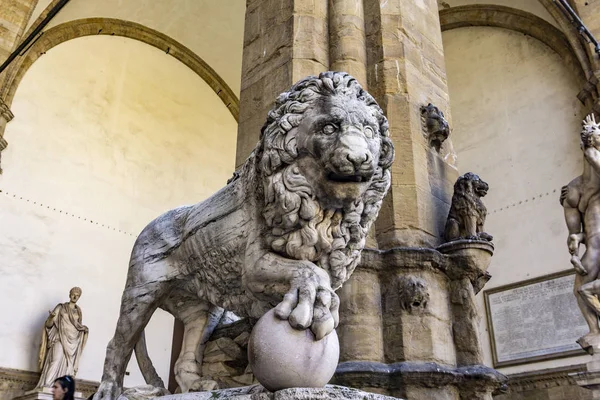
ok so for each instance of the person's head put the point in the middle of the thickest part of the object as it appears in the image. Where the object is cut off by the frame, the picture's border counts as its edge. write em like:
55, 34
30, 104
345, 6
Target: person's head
75, 294
63, 388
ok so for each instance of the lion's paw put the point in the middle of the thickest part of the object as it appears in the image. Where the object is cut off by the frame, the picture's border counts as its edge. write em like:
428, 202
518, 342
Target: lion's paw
108, 390
310, 305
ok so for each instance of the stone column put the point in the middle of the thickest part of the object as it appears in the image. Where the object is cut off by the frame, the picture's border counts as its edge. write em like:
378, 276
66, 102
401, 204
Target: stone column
347, 41
406, 71
13, 20
360, 329
284, 41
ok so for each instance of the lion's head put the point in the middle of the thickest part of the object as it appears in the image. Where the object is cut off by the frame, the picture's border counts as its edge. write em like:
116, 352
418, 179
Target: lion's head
324, 158
471, 185
435, 125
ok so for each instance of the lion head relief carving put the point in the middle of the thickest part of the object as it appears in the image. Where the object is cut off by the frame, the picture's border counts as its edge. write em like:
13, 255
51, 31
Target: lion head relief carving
435, 126
324, 158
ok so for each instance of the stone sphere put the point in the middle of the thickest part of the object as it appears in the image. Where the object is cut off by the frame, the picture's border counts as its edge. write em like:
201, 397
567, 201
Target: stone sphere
282, 357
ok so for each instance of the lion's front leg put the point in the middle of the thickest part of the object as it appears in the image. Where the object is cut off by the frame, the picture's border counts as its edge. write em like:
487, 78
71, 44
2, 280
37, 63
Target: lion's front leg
303, 290
471, 227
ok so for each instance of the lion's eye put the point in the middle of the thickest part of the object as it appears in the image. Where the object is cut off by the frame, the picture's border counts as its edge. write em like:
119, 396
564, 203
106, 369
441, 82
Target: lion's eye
329, 129
369, 132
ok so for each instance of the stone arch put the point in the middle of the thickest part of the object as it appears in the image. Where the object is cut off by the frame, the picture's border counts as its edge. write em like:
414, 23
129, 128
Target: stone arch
115, 27
523, 22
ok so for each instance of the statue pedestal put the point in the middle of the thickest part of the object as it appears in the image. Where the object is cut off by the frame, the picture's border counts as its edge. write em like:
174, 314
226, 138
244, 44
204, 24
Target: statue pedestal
44, 393
590, 379
257, 392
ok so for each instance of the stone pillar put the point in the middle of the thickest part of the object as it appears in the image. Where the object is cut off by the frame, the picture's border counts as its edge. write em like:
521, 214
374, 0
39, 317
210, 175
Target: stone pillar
360, 329
406, 71
347, 41
13, 20
284, 41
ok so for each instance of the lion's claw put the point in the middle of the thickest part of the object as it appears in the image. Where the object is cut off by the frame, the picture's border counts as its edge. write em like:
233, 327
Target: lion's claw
306, 307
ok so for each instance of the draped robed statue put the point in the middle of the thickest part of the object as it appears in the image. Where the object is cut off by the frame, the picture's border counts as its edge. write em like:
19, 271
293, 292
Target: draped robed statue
63, 340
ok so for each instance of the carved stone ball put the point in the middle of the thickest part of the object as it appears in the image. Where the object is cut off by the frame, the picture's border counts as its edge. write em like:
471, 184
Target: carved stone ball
282, 357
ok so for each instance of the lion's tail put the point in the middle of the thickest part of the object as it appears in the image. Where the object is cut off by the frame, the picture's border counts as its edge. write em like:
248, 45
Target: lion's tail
145, 363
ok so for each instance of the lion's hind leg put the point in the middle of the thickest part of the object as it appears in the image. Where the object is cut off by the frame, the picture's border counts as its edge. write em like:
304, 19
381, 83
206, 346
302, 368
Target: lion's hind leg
199, 319
452, 230
137, 307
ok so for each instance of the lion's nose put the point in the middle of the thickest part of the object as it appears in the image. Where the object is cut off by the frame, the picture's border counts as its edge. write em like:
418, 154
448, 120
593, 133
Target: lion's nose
358, 159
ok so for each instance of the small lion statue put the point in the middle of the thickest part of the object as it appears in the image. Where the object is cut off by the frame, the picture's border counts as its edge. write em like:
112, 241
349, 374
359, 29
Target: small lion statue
285, 232
467, 212
435, 126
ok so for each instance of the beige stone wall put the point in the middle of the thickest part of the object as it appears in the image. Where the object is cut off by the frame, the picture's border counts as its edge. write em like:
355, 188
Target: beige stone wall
516, 122
109, 134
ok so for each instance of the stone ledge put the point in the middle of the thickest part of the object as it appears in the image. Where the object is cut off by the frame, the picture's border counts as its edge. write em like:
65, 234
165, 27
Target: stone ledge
542, 379
395, 376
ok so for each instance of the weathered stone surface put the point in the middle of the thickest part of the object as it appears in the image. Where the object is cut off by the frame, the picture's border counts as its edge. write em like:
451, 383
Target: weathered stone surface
292, 222
259, 393
283, 357
223, 349
143, 393
329, 392
242, 339
417, 379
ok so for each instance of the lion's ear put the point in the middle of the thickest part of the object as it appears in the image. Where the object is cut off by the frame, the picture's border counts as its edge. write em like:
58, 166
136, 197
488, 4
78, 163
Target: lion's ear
386, 154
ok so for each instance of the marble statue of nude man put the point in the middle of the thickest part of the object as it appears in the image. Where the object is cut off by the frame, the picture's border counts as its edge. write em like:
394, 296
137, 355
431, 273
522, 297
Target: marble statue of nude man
581, 202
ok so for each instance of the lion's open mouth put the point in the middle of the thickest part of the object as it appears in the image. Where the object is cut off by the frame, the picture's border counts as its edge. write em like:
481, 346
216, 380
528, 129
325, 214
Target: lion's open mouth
481, 192
346, 178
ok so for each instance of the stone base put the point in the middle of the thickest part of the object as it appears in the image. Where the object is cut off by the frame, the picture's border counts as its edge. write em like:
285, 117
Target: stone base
44, 394
591, 344
257, 392
590, 379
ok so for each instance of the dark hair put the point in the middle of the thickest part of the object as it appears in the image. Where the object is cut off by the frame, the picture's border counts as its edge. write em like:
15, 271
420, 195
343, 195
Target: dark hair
67, 382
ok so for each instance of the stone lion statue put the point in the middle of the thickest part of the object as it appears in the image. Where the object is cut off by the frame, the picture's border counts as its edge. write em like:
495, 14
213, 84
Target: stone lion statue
435, 125
285, 232
467, 212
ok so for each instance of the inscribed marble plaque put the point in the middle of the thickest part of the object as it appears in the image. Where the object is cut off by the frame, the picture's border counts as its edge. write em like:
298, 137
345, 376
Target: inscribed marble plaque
534, 320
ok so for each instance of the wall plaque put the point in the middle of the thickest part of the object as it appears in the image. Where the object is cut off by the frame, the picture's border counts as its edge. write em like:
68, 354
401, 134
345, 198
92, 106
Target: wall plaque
534, 320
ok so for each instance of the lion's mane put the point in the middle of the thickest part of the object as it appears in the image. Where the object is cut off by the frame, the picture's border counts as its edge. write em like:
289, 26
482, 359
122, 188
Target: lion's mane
299, 226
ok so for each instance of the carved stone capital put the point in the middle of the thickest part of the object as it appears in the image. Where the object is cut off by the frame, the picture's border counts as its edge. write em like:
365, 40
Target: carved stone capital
5, 114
